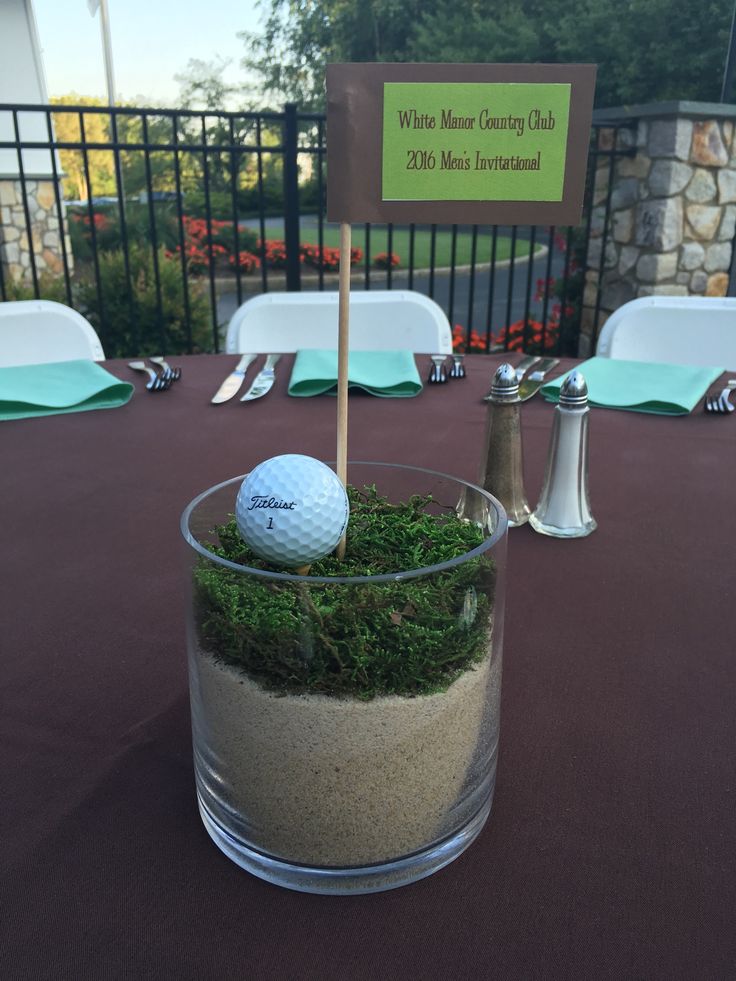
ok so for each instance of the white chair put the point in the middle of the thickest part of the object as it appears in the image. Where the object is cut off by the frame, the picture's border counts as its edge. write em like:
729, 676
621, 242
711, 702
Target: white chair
39, 331
697, 330
380, 320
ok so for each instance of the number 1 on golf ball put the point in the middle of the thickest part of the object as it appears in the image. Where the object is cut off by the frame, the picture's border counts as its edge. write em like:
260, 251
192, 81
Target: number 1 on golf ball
292, 510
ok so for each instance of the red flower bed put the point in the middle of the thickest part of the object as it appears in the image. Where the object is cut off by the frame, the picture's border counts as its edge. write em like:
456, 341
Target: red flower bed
274, 252
246, 261
538, 340
461, 343
197, 247
324, 258
327, 258
100, 221
386, 260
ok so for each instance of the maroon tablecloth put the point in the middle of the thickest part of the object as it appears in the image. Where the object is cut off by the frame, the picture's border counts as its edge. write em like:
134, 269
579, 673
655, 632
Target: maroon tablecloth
611, 848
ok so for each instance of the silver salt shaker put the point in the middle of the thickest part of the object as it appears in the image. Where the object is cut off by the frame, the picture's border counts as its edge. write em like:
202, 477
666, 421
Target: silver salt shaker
501, 472
563, 510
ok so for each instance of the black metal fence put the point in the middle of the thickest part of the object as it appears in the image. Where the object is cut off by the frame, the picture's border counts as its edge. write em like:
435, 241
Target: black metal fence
160, 223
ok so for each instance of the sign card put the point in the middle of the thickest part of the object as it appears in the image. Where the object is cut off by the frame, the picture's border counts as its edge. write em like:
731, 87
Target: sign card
496, 144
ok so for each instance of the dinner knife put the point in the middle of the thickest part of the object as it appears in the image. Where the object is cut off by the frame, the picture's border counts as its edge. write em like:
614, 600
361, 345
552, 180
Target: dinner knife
531, 383
234, 380
519, 369
524, 365
263, 382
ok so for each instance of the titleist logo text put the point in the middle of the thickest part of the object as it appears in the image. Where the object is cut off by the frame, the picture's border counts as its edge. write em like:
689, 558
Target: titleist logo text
261, 501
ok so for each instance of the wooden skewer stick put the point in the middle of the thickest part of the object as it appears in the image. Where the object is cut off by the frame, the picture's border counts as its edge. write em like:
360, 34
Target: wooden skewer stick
343, 318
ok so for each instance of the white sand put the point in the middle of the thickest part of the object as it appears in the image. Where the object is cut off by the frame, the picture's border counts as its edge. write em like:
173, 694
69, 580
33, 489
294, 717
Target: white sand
336, 781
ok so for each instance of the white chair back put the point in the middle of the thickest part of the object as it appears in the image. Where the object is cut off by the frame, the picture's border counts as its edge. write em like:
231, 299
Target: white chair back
40, 331
380, 320
697, 330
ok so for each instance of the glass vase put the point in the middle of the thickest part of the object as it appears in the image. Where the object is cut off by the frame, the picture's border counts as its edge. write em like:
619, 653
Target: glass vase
325, 790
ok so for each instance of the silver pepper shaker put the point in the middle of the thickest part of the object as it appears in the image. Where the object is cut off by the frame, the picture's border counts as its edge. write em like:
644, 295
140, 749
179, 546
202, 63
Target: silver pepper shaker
501, 473
563, 510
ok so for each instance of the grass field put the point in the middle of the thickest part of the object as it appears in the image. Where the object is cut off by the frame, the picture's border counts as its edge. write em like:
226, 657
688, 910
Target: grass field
422, 245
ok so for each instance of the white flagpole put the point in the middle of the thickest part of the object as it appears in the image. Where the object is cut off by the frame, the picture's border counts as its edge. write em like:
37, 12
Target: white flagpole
107, 52
101, 5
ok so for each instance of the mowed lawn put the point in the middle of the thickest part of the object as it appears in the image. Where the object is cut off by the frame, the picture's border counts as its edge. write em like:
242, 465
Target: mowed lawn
400, 245
422, 244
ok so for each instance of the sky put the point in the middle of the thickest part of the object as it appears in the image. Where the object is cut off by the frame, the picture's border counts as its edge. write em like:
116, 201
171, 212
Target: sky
152, 40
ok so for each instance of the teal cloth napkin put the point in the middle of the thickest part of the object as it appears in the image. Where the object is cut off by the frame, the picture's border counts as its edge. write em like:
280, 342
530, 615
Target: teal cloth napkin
641, 386
61, 386
388, 374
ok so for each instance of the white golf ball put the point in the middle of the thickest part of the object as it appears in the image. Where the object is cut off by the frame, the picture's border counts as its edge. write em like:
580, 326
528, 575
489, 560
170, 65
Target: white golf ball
292, 509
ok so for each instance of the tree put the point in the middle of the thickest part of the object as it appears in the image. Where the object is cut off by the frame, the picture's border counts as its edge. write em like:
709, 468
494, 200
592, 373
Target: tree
202, 85
300, 37
99, 163
470, 32
646, 50
136, 164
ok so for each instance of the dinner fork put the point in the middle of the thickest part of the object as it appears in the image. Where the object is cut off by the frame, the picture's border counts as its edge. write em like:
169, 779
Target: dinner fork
157, 382
719, 401
174, 374
458, 368
438, 372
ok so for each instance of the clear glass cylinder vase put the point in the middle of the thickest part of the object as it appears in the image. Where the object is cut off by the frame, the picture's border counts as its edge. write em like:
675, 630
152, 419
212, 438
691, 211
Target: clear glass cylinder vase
332, 791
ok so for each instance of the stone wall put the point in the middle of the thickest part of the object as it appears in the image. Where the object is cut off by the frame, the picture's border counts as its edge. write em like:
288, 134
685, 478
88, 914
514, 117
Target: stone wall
672, 219
46, 233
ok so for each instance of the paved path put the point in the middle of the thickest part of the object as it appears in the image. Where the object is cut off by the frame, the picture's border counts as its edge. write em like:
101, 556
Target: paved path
507, 288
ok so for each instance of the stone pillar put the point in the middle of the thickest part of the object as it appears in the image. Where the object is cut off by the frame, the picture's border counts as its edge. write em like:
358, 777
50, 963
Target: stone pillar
46, 232
672, 218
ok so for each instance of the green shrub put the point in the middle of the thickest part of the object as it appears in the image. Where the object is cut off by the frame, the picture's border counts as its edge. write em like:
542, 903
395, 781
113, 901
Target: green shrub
126, 318
221, 205
273, 198
198, 233
50, 287
138, 224
107, 233
309, 196
108, 227
247, 239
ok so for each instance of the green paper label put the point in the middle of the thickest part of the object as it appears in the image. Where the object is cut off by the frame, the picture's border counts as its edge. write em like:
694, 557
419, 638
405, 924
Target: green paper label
474, 141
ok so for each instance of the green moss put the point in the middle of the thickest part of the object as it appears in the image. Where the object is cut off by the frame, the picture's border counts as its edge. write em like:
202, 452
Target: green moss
408, 637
